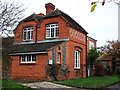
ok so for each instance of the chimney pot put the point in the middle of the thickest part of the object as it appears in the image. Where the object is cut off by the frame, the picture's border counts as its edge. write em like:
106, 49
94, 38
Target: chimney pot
49, 8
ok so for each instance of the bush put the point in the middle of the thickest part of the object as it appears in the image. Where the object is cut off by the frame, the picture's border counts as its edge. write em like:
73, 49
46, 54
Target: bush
64, 70
52, 70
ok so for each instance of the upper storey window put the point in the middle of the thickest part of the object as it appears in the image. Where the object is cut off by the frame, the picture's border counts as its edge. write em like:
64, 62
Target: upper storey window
91, 45
52, 30
28, 33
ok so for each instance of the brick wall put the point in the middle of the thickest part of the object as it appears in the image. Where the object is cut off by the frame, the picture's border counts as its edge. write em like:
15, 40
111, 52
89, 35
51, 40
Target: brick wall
63, 28
29, 71
71, 46
19, 31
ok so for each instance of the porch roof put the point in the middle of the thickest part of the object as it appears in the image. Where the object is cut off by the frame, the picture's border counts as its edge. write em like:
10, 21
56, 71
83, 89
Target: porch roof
34, 47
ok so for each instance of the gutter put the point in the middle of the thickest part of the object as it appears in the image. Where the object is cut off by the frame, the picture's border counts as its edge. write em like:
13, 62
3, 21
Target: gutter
27, 53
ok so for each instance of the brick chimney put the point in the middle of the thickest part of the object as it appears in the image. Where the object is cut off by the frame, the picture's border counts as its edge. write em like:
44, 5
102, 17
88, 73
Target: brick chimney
41, 14
49, 8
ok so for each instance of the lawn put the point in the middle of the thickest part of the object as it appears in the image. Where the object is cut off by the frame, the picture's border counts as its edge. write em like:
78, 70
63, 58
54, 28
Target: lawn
91, 82
10, 85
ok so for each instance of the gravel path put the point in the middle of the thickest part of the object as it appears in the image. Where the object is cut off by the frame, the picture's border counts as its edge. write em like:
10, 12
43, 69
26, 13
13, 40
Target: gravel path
49, 86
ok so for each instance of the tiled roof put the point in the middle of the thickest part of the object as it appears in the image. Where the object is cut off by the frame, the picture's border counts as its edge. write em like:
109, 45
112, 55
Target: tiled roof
36, 47
67, 18
91, 38
56, 13
104, 57
33, 17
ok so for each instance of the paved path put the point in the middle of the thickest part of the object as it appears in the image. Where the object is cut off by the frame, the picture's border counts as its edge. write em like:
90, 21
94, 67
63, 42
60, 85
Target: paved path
114, 87
49, 86
52, 86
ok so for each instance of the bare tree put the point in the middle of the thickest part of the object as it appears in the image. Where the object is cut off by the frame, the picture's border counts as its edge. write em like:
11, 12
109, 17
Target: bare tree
10, 15
112, 49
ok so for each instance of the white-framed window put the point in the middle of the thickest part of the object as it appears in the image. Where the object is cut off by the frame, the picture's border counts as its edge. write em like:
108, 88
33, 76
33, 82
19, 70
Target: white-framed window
52, 30
91, 45
28, 33
77, 59
59, 58
28, 58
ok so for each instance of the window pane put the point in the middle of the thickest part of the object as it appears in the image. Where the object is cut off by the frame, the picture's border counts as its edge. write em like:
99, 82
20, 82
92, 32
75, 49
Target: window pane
56, 25
33, 57
23, 58
59, 57
52, 32
52, 25
28, 58
56, 32
28, 33
24, 35
77, 59
31, 35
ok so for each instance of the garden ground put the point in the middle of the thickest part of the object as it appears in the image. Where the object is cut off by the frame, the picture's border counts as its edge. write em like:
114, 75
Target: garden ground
86, 83
91, 82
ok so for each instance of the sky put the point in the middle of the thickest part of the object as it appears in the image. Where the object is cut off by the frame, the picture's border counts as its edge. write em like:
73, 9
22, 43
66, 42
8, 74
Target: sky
102, 24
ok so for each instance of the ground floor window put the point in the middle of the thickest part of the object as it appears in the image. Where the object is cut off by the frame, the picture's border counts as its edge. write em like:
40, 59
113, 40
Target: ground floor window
28, 58
59, 58
77, 59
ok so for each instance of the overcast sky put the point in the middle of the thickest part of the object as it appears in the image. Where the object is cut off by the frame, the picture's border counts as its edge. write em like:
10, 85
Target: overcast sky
101, 25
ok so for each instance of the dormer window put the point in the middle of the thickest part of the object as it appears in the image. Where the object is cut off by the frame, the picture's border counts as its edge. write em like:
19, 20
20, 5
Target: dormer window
52, 30
28, 33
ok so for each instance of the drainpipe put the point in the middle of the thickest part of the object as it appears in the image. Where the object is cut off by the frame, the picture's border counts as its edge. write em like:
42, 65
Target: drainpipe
36, 32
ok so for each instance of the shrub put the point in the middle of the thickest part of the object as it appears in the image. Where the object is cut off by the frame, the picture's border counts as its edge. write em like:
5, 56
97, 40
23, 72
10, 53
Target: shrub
52, 70
64, 70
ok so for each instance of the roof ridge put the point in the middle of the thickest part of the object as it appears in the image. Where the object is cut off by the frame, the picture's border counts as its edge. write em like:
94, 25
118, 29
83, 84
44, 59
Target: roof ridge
32, 17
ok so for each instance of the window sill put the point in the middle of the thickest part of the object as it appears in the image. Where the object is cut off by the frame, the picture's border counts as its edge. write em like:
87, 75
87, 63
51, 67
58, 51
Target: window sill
28, 40
48, 38
77, 68
26, 63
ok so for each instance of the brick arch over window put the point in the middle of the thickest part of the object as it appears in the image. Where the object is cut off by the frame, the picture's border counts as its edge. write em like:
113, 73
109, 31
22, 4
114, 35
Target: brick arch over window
78, 57
78, 48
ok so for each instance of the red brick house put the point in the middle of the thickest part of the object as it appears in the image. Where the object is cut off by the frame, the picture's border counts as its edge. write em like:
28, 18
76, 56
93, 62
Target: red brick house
91, 43
42, 40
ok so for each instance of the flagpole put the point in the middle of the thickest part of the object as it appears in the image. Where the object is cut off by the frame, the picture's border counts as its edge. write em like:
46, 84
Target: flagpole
119, 21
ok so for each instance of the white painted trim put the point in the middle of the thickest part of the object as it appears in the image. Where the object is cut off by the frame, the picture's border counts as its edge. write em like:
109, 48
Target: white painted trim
55, 40
28, 62
27, 53
24, 43
44, 41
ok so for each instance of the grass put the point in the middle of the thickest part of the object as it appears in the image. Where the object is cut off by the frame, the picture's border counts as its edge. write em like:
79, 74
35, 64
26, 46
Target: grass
10, 85
91, 82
